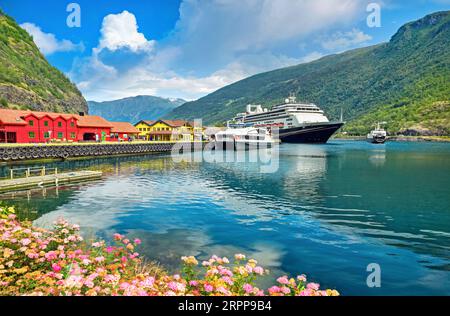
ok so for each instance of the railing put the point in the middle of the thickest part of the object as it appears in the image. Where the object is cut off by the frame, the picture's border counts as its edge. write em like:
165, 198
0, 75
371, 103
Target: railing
28, 172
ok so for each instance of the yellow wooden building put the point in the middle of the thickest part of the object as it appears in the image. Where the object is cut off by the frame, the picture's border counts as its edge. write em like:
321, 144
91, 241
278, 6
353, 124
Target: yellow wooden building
169, 131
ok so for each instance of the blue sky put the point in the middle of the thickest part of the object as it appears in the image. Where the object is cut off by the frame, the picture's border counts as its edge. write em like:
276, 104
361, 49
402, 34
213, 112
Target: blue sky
189, 48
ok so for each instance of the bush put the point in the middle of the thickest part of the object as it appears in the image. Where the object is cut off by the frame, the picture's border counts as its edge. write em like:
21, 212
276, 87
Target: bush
35, 261
3, 102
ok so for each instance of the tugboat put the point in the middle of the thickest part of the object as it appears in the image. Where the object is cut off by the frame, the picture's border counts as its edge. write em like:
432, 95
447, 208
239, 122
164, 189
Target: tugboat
297, 122
378, 135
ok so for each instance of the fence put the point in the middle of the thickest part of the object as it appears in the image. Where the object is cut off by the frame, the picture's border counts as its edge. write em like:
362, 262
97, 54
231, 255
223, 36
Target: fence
15, 173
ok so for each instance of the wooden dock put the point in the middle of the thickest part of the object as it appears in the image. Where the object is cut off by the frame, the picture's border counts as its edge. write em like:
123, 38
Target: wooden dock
46, 180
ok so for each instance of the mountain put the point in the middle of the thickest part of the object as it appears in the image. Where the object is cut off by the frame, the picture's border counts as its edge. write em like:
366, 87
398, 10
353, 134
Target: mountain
27, 80
404, 82
134, 109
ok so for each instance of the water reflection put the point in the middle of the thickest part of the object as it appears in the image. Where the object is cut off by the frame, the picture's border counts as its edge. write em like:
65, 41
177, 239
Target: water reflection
328, 211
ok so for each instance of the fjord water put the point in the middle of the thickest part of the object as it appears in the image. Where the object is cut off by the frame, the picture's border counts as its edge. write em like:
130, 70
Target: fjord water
328, 211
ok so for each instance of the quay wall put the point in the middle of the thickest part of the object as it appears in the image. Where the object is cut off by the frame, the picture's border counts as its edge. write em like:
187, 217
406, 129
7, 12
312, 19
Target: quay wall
67, 151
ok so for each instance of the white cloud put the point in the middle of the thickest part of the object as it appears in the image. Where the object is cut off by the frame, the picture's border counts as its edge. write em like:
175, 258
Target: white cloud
48, 43
344, 40
311, 57
214, 43
121, 31
215, 31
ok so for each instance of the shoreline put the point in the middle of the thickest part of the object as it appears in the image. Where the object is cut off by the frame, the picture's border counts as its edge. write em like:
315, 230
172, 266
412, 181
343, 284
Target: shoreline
434, 139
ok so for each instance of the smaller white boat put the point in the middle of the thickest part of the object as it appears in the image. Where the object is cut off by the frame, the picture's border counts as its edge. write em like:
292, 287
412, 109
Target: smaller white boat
378, 135
244, 138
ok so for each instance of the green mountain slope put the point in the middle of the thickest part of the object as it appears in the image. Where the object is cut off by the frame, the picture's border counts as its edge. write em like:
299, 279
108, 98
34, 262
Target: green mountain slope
405, 82
27, 80
134, 109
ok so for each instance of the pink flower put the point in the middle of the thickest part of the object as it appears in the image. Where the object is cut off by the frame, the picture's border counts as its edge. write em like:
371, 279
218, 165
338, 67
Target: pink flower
172, 285
301, 278
306, 292
258, 270
56, 267
313, 286
193, 283
118, 236
228, 280
89, 283
285, 290
33, 255
100, 259
109, 249
208, 288
137, 241
51, 255
248, 288
226, 272
223, 290
124, 285
25, 241
283, 280
274, 289
148, 282
109, 278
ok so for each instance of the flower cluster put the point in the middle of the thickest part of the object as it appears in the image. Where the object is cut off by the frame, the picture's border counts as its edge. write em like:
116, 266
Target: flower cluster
35, 261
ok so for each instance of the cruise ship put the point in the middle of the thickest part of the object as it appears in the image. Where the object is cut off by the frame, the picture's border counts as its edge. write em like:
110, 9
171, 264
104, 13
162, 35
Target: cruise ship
296, 122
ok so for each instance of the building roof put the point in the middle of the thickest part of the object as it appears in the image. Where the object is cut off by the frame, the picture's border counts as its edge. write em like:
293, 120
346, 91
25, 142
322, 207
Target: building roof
123, 127
171, 123
175, 123
15, 117
11, 117
92, 121
149, 123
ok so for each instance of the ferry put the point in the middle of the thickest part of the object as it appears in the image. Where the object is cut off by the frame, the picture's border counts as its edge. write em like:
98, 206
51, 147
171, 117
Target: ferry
296, 122
378, 135
241, 137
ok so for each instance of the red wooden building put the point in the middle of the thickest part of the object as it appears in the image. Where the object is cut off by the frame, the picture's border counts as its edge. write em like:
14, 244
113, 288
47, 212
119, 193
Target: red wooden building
122, 131
18, 126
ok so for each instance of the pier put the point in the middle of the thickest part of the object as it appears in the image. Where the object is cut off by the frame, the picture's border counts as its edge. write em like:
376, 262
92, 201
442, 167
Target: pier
25, 152
44, 177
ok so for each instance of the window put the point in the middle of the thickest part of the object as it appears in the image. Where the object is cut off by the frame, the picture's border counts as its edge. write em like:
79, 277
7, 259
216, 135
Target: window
31, 122
60, 135
72, 135
46, 135
45, 123
59, 124
31, 134
72, 124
